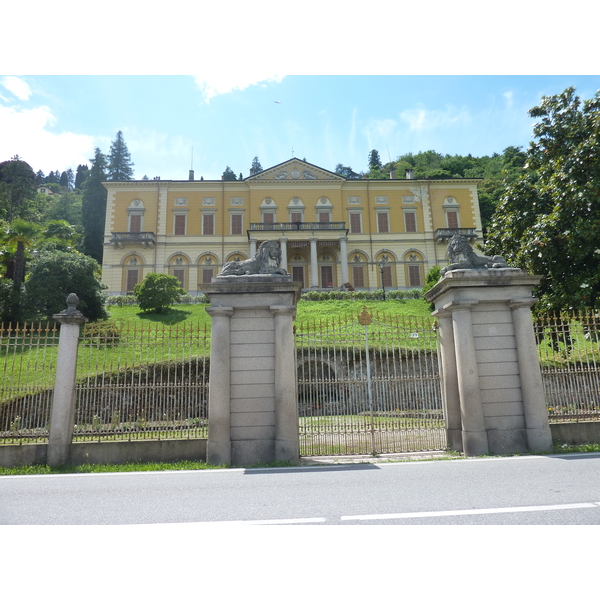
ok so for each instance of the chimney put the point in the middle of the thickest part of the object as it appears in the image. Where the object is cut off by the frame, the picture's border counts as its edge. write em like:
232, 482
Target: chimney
392, 174
409, 174
191, 175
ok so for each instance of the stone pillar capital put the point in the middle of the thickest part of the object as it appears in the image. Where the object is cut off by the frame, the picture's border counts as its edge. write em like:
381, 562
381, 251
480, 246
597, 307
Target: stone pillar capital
219, 311
283, 310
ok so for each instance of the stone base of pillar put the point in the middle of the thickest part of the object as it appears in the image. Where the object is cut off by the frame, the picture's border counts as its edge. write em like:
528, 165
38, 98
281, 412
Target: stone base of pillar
218, 453
58, 454
454, 439
475, 443
507, 441
539, 440
257, 408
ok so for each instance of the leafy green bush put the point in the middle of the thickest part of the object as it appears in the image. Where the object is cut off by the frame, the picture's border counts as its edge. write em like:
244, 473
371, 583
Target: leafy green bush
320, 296
53, 275
157, 292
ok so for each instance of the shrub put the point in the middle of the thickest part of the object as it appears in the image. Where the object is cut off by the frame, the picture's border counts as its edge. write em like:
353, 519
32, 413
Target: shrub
157, 292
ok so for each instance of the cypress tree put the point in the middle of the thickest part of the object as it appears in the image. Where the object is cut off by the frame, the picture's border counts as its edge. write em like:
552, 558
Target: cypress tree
93, 207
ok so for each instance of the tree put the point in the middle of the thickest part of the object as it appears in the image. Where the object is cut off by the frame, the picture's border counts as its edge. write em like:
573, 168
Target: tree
54, 274
256, 167
120, 167
157, 292
228, 175
93, 207
548, 221
81, 175
17, 187
374, 160
346, 172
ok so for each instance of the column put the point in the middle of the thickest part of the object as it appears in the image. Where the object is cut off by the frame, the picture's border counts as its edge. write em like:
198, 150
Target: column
62, 415
218, 450
539, 436
344, 260
284, 259
314, 272
451, 396
252, 247
474, 435
287, 437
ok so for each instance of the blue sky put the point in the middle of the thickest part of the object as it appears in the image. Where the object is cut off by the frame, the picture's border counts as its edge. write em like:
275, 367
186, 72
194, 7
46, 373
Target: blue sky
55, 122
197, 78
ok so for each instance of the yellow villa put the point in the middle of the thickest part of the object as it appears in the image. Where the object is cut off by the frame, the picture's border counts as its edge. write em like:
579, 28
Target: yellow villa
331, 230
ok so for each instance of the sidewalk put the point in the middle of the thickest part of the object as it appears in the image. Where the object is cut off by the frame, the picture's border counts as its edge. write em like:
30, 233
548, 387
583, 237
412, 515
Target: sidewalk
369, 458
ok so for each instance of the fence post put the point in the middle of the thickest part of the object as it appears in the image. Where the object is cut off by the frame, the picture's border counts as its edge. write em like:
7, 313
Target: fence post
63, 401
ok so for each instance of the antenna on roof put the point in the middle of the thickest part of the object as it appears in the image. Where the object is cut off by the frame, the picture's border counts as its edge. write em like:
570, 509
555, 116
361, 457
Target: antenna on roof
292, 151
192, 165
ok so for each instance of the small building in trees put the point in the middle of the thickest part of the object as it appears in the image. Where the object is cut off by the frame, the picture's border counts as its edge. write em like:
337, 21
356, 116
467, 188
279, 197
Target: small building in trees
332, 230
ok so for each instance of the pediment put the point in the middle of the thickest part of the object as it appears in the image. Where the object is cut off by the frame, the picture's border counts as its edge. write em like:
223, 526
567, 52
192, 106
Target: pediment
293, 171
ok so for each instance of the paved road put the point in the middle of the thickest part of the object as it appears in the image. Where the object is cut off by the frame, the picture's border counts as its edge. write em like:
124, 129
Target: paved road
561, 489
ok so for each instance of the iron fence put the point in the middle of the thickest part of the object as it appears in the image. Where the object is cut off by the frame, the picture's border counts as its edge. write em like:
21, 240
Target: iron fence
569, 353
368, 388
28, 353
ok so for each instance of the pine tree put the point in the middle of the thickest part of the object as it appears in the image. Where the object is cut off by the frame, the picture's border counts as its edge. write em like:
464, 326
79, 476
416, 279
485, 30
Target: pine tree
228, 174
256, 167
93, 207
374, 160
81, 175
120, 167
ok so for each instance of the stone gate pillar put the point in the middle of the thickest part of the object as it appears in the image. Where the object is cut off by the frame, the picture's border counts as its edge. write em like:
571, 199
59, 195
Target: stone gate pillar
490, 370
252, 405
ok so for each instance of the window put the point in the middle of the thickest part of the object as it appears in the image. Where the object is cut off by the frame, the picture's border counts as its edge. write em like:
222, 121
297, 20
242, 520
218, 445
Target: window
268, 219
383, 222
298, 274
387, 277
207, 275
355, 223
358, 276
180, 274
296, 217
135, 223
326, 276
179, 225
324, 217
410, 221
208, 224
414, 276
236, 224
133, 276
452, 218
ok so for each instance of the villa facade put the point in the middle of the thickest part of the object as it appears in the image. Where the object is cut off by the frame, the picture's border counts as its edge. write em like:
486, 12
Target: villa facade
331, 230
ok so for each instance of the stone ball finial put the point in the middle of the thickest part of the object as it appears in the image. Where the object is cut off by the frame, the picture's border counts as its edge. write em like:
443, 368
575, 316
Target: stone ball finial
72, 302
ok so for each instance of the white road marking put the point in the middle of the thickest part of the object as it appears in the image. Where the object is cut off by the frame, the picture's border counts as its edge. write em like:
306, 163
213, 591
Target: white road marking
476, 511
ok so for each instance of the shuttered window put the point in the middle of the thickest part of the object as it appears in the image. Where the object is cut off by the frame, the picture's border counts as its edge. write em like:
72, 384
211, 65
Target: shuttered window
414, 276
208, 224
410, 222
133, 276
179, 228
324, 217
383, 222
452, 217
387, 277
355, 226
180, 274
236, 224
326, 276
207, 275
135, 223
358, 276
298, 274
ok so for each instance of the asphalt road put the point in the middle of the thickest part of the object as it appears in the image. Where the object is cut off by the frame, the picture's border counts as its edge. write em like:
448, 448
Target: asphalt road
559, 489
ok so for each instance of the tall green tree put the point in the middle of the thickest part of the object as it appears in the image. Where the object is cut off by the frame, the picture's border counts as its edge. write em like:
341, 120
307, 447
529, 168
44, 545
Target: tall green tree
228, 174
256, 167
374, 160
17, 188
548, 221
81, 175
120, 167
93, 207
346, 172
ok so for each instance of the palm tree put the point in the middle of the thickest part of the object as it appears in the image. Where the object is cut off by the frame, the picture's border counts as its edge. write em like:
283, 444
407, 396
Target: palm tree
19, 236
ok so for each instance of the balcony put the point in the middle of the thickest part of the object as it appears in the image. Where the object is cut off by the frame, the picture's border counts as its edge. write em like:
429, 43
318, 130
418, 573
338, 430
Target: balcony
145, 238
287, 228
443, 235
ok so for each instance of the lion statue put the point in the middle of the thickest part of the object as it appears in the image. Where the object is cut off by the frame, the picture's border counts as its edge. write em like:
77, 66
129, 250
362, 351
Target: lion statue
462, 256
265, 262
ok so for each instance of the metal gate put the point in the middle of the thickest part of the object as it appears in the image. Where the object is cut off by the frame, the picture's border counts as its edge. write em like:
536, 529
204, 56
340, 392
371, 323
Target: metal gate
369, 384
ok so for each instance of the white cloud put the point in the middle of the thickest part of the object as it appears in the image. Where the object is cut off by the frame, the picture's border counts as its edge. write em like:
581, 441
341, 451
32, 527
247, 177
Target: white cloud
508, 96
26, 133
420, 118
18, 87
212, 86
